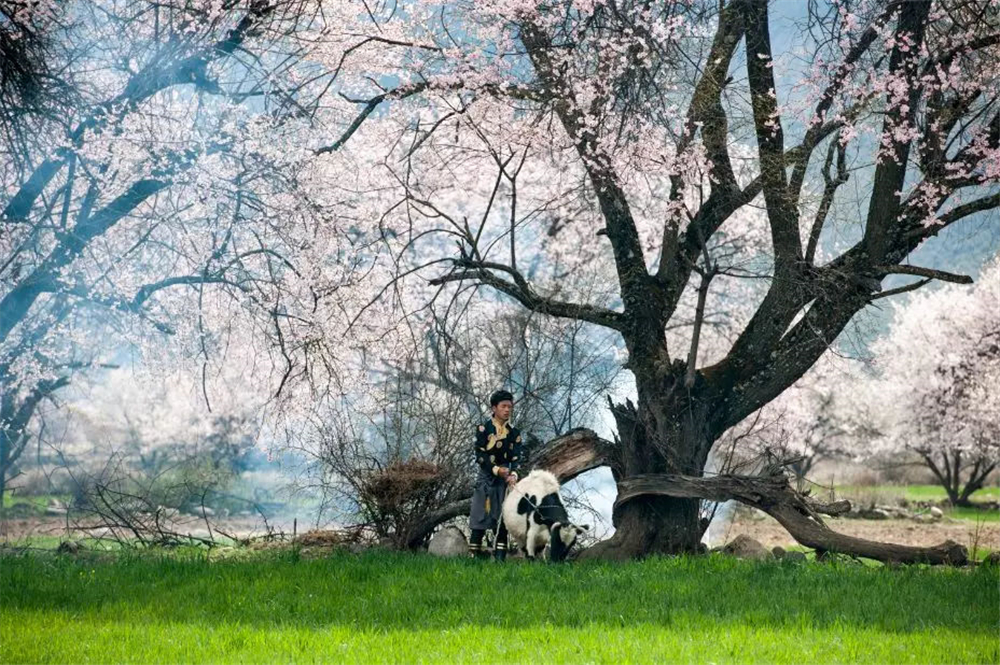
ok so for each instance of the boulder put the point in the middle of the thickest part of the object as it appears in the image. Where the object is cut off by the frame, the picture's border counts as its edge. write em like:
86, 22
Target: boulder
449, 541
745, 547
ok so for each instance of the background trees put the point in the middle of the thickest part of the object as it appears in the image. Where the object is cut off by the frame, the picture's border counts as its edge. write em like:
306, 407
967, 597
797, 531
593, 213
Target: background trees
937, 388
136, 209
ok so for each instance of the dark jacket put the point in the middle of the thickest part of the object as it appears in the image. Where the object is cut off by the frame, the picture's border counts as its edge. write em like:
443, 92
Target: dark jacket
497, 448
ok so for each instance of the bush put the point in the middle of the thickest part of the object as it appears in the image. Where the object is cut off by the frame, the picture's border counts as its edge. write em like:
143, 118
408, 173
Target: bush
397, 497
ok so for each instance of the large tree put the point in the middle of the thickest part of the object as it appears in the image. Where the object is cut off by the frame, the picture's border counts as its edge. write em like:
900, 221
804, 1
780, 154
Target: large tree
651, 143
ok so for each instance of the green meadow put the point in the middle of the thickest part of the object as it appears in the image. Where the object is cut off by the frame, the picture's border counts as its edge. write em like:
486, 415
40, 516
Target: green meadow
383, 607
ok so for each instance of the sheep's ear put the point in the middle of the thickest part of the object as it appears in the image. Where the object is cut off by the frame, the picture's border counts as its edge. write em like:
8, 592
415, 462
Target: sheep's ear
584, 527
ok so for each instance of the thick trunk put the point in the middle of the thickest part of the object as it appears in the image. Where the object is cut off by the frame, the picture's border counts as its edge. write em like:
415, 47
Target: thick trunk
670, 436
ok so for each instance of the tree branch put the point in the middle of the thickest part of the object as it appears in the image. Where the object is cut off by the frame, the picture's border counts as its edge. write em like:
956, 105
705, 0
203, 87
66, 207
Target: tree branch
521, 291
798, 513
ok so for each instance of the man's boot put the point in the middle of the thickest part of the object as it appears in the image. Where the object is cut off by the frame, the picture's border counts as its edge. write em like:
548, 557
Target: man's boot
500, 547
476, 548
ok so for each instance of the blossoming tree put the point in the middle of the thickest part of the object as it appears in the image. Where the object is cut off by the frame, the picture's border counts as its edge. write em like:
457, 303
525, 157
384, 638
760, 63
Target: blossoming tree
938, 391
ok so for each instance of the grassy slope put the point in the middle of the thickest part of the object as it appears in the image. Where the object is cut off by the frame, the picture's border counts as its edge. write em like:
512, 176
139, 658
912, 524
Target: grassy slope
394, 608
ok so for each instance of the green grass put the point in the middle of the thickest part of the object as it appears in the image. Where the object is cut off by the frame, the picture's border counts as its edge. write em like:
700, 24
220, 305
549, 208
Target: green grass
973, 514
37, 503
386, 608
937, 493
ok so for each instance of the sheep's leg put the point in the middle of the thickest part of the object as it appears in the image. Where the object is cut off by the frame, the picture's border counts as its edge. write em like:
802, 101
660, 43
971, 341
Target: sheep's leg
529, 549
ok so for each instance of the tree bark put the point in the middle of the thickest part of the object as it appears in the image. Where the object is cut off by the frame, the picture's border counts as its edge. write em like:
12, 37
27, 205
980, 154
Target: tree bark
660, 435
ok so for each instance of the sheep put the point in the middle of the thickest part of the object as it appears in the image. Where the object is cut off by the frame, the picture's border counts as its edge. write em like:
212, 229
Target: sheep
535, 516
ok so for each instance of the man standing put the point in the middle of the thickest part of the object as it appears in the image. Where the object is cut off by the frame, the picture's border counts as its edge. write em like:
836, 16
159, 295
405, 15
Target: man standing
498, 454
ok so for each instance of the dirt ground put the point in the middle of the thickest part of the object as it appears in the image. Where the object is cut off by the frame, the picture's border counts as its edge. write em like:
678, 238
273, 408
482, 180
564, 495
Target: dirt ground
904, 532
20, 528
761, 527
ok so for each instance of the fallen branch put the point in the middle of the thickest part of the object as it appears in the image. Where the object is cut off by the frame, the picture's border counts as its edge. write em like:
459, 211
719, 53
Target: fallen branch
799, 513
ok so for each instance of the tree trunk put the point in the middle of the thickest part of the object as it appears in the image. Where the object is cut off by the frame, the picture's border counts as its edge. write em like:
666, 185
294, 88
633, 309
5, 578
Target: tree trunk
653, 438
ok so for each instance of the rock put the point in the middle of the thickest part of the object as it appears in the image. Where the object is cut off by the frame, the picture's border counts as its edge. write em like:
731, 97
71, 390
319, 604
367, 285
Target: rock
449, 541
895, 512
923, 519
936, 512
798, 557
778, 552
69, 547
745, 547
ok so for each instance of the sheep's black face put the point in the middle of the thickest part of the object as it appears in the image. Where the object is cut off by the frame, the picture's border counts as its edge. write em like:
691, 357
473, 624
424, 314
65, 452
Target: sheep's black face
563, 538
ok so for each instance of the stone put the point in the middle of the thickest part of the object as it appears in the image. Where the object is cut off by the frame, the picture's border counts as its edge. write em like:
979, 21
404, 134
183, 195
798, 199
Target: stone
745, 547
69, 547
448, 542
798, 557
778, 551
936, 512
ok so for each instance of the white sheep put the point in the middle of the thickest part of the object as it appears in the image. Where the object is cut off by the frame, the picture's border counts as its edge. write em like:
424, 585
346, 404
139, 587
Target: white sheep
535, 516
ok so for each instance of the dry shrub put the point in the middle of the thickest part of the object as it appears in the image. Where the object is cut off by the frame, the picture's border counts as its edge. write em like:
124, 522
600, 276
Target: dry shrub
332, 538
402, 483
397, 497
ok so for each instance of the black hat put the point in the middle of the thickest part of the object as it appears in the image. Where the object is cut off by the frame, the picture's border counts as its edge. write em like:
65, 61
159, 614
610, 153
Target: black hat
500, 396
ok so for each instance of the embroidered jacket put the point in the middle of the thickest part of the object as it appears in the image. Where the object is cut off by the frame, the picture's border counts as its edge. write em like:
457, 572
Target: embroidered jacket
497, 444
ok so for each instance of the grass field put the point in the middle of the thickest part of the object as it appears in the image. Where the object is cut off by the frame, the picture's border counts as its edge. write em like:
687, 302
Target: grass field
383, 608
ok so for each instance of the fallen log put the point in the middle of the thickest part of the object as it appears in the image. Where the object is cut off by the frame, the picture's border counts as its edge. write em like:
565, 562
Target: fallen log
799, 513
569, 455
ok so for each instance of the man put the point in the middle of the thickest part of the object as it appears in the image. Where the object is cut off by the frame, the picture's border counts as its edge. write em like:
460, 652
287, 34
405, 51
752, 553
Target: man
498, 455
